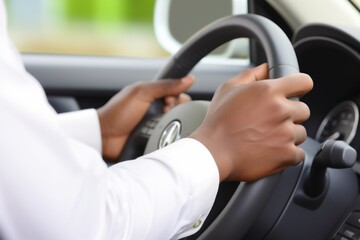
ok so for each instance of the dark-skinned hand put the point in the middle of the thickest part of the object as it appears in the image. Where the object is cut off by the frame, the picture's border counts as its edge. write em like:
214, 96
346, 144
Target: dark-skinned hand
123, 112
252, 128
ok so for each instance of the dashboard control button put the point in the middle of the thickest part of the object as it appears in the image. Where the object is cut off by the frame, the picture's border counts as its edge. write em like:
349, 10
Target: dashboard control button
354, 219
349, 232
339, 237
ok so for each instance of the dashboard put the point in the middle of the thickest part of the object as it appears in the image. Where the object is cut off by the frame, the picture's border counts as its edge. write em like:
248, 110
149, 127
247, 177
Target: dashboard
331, 56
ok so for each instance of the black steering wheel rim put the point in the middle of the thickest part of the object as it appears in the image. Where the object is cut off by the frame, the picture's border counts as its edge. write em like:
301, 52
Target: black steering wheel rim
280, 54
250, 198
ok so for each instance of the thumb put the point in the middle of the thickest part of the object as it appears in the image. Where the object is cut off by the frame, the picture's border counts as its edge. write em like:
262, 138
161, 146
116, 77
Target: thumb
164, 88
251, 75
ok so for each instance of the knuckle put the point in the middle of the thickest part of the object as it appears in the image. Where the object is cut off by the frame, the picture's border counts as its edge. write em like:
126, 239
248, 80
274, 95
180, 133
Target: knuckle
247, 72
263, 90
135, 88
171, 83
288, 132
265, 87
280, 109
226, 85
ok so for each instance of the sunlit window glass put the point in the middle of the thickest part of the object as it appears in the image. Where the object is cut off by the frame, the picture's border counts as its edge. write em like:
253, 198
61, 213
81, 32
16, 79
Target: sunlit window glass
85, 27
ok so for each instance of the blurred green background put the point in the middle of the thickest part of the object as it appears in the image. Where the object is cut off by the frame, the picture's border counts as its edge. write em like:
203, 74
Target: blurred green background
85, 27
112, 11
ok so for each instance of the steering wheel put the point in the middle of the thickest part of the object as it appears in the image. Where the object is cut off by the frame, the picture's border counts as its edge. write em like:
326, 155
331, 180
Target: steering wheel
249, 199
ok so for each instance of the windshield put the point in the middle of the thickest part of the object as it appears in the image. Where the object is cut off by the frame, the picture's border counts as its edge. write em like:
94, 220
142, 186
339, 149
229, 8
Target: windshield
90, 27
125, 27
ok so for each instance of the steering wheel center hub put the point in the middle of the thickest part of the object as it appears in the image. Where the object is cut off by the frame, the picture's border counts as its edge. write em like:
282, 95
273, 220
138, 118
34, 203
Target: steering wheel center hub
170, 134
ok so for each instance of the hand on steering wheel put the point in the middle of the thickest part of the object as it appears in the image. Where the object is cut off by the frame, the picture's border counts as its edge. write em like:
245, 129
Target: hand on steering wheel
123, 112
259, 122
249, 199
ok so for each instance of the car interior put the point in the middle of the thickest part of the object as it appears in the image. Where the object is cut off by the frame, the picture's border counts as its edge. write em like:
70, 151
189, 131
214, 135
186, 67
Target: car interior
319, 198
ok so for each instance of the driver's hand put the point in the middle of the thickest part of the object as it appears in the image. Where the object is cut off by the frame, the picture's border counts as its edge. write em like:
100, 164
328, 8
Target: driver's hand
252, 128
124, 111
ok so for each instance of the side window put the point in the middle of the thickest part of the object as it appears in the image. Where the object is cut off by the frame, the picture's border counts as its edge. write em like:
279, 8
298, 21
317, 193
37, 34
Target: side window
356, 4
84, 27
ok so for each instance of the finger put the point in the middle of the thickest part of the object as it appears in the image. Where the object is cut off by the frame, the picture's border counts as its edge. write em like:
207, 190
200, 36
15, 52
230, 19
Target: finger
164, 88
299, 155
300, 134
292, 156
295, 156
171, 102
182, 98
299, 111
251, 75
167, 108
294, 85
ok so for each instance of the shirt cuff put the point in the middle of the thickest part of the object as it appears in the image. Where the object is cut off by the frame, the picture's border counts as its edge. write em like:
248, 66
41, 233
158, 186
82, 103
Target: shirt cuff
196, 164
83, 126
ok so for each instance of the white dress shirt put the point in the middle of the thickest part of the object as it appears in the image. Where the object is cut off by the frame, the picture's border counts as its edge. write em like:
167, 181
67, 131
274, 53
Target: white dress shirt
54, 183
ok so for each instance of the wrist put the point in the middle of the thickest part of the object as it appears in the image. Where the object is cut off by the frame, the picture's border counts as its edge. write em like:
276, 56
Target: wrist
224, 167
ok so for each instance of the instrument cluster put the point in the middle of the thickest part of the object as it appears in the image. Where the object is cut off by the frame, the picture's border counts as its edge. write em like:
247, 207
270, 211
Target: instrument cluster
341, 123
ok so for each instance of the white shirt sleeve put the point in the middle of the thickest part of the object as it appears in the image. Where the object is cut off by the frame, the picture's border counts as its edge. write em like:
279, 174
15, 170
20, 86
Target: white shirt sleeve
179, 182
55, 185
82, 125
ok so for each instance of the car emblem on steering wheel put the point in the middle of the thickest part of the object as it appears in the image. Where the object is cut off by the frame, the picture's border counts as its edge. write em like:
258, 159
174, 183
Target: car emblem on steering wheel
170, 134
